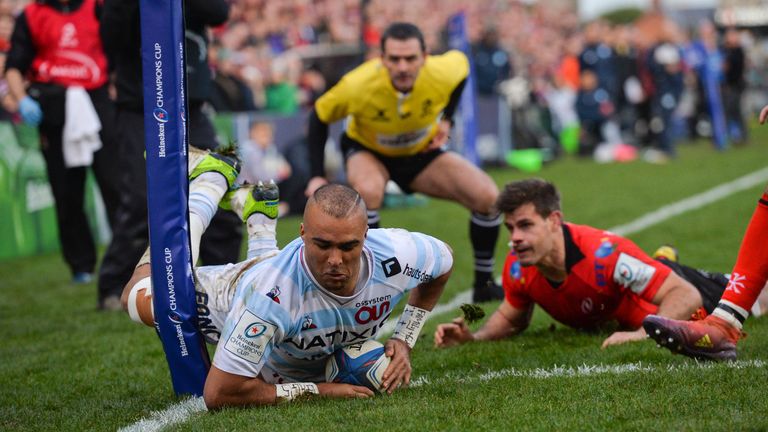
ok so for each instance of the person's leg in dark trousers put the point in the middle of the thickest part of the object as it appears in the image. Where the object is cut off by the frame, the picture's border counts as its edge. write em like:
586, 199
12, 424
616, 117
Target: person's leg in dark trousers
106, 161
68, 187
222, 240
130, 232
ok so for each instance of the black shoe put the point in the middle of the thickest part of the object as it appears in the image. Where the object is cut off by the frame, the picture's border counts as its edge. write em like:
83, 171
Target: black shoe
487, 291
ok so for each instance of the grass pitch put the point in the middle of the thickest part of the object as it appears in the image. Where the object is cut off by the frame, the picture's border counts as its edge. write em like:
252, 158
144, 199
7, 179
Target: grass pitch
64, 366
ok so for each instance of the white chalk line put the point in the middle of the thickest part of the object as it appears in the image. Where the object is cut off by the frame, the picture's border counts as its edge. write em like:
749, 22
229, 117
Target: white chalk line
694, 202
584, 370
180, 412
175, 414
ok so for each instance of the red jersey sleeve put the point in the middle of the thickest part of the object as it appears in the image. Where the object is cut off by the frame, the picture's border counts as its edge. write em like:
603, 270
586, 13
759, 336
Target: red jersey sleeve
512, 281
632, 269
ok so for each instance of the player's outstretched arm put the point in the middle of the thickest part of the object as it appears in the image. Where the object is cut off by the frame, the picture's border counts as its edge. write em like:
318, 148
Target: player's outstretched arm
505, 322
676, 299
224, 389
398, 348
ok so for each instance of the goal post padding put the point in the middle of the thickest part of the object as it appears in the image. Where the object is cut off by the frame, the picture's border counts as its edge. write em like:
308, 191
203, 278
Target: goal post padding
165, 131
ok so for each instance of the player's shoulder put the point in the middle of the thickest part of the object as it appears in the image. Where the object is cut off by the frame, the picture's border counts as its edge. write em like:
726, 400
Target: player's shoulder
589, 238
450, 66
404, 259
366, 73
398, 239
275, 278
450, 57
399, 245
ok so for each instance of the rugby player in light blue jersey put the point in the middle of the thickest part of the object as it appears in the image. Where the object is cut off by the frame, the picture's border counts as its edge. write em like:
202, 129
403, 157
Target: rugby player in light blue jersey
278, 315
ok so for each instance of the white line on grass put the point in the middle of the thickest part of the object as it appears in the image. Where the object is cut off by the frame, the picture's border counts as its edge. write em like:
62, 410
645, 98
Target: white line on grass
180, 412
693, 203
584, 371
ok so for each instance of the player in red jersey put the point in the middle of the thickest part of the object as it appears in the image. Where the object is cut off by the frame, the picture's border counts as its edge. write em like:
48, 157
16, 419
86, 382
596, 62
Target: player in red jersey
715, 337
582, 276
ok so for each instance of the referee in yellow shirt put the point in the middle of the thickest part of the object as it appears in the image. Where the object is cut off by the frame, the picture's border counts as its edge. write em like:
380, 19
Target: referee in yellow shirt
399, 111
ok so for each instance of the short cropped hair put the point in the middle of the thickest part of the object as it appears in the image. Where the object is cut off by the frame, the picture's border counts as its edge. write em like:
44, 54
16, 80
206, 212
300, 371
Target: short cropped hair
403, 31
541, 193
337, 200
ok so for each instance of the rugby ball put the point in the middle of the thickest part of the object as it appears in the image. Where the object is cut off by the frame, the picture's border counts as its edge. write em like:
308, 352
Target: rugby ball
360, 364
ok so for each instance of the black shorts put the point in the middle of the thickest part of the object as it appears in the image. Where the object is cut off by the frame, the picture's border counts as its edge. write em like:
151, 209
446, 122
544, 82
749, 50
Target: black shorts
402, 169
710, 285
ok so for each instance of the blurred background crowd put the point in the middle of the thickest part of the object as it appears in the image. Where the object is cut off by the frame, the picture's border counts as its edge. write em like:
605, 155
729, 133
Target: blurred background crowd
631, 78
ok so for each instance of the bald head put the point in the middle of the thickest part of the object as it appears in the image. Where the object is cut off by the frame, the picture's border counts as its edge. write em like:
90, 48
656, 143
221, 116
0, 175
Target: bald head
334, 231
336, 200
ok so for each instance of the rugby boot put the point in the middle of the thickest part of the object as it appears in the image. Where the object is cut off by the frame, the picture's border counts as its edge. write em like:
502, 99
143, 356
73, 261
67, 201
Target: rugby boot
260, 198
228, 166
667, 252
711, 338
486, 291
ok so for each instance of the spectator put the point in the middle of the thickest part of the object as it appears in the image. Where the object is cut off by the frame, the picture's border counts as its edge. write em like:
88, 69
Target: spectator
598, 57
282, 93
311, 86
594, 107
734, 85
491, 62
8, 104
56, 46
264, 161
230, 93
706, 60
665, 66
6, 28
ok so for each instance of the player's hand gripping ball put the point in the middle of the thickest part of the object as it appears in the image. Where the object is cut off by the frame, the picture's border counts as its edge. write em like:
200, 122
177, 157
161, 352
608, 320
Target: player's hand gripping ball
360, 364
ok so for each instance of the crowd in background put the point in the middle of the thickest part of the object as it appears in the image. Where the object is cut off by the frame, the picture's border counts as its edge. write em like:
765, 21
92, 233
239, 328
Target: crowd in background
569, 85
582, 86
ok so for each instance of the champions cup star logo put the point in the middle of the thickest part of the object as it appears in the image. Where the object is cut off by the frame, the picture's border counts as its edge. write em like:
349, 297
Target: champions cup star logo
736, 283
175, 318
160, 115
254, 330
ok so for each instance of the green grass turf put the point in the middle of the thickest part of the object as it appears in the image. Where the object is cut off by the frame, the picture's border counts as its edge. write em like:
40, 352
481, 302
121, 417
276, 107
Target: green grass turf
64, 366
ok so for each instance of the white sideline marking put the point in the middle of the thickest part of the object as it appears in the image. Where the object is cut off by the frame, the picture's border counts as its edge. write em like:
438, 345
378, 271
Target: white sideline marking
585, 371
180, 412
693, 203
